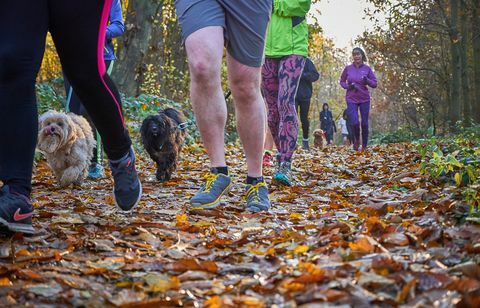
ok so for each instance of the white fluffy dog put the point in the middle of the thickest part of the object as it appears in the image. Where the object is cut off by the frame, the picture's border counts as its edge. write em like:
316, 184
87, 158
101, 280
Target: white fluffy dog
67, 142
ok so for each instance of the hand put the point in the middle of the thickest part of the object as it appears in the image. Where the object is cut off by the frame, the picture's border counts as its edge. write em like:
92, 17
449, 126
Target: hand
351, 86
365, 79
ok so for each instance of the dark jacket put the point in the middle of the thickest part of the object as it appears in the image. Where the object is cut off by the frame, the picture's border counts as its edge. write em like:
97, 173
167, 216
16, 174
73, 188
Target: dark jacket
327, 124
309, 75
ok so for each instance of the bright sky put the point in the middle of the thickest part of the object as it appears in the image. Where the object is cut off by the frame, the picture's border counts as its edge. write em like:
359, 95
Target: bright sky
342, 20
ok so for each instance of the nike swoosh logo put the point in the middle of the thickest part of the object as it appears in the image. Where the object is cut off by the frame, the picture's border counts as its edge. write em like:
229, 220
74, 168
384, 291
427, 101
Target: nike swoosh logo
17, 216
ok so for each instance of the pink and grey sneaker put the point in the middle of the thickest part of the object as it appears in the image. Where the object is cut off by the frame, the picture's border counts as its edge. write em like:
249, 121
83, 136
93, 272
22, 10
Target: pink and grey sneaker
267, 159
16, 211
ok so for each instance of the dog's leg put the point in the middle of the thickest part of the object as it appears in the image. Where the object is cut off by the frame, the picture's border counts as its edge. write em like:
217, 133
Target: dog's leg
160, 174
70, 175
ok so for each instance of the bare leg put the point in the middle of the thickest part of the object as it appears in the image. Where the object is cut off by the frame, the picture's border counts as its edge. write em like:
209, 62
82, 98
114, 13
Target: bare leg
250, 111
205, 50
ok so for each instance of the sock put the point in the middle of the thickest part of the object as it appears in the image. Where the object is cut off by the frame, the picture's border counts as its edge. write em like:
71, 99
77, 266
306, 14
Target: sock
222, 170
254, 180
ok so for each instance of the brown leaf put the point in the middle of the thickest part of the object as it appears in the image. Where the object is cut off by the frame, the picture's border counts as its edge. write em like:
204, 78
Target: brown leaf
192, 265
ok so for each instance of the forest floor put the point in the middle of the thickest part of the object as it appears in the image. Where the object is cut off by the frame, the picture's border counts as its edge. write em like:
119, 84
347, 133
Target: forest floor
357, 229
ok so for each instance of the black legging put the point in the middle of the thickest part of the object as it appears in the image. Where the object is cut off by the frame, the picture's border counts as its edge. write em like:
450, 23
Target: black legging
76, 106
304, 106
78, 30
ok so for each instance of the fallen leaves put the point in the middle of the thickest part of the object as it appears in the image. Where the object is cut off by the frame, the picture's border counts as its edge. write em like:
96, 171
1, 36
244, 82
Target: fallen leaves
358, 229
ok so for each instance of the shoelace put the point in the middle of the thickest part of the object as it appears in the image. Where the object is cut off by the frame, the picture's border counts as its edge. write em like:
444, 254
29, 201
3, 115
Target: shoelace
254, 190
124, 167
210, 178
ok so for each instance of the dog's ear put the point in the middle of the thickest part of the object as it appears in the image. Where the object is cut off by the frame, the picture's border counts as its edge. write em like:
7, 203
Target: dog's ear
72, 131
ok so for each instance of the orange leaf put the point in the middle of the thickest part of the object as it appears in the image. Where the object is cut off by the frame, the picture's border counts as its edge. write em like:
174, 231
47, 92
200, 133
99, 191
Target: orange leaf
403, 294
5, 282
213, 302
362, 245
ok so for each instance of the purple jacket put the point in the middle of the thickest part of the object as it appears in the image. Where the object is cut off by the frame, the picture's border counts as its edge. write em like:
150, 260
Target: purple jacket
354, 82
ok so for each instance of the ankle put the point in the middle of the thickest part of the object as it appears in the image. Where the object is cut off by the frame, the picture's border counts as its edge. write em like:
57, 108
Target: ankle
217, 170
252, 180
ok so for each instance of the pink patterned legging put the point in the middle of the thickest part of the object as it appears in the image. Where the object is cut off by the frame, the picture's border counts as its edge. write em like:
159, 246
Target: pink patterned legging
280, 78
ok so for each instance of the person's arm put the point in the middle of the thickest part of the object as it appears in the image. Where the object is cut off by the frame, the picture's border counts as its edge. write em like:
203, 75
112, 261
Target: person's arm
370, 79
343, 79
310, 73
116, 26
290, 8
334, 125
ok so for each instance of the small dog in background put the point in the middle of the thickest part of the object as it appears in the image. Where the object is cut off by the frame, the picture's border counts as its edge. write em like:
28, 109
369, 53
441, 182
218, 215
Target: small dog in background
319, 138
67, 142
163, 140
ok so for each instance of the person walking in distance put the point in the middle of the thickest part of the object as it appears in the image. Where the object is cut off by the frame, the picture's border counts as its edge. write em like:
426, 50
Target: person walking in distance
327, 123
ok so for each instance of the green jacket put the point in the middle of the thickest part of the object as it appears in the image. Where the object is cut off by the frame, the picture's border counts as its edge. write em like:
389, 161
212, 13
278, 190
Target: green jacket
288, 31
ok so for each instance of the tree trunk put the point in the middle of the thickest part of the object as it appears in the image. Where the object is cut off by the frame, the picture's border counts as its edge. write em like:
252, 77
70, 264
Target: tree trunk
476, 58
454, 110
134, 46
467, 112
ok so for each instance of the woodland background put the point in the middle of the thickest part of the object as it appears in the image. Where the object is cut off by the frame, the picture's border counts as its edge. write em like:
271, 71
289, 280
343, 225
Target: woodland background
426, 57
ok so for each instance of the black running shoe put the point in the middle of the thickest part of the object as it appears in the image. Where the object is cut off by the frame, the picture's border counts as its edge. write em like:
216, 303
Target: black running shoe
16, 211
127, 188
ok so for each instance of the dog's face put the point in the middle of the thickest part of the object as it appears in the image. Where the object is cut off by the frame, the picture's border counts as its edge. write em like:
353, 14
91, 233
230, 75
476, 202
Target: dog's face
318, 133
54, 132
156, 128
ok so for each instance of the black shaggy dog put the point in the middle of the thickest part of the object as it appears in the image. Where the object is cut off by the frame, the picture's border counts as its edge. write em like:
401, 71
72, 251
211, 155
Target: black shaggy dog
163, 140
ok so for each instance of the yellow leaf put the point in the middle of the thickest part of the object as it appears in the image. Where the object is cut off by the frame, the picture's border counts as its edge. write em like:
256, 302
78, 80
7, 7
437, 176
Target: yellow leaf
458, 179
301, 249
182, 220
295, 216
124, 284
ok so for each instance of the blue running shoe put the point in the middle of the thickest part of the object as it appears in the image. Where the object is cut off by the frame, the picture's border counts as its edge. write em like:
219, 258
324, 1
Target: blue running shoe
208, 196
95, 171
283, 175
257, 197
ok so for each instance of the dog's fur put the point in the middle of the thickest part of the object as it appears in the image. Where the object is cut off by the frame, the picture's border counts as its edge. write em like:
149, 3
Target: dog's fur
319, 138
163, 140
67, 142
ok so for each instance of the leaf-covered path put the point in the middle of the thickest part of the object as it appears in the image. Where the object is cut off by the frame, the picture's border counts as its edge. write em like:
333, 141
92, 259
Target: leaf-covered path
357, 229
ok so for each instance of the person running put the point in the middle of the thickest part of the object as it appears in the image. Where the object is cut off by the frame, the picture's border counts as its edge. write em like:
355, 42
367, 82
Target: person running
355, 79
285, 52
78, 30
206, 26
303, 97
342, 124
115, 28
327, 123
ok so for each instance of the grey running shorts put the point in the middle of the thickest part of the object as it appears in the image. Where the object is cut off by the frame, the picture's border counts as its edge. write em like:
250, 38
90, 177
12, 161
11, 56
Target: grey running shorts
244, 23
